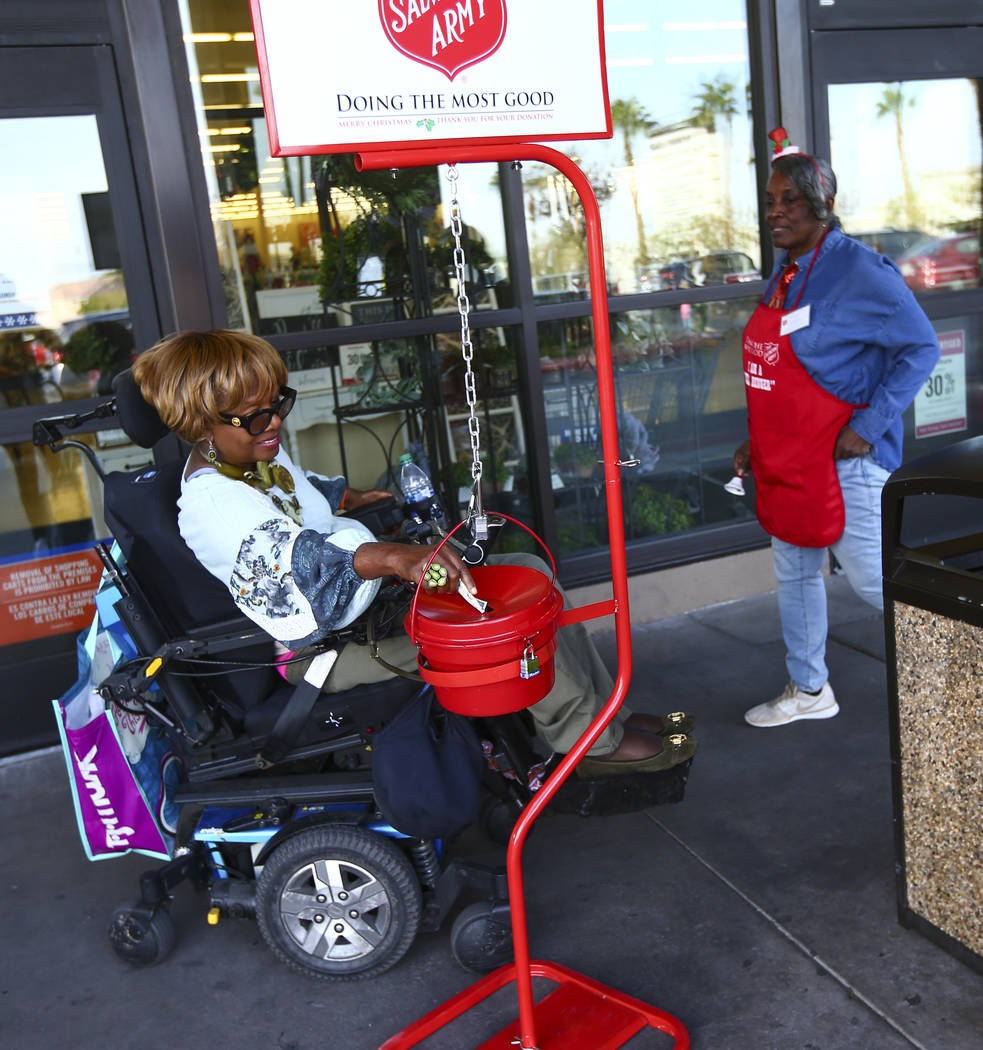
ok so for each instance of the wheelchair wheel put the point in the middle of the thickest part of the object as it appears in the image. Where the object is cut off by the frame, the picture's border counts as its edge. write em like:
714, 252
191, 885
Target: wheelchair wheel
141, 937
338, 903
481, 937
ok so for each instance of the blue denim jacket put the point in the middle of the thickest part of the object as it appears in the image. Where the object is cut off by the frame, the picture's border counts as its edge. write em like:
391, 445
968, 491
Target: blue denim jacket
868, 340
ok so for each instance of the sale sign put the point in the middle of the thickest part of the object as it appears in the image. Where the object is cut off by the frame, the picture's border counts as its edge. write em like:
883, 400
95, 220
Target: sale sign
46, 596
344, 77
940, 404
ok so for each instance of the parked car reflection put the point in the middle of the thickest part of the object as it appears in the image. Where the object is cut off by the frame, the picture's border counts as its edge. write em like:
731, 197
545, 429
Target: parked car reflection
724, 267
947, 262
893, 243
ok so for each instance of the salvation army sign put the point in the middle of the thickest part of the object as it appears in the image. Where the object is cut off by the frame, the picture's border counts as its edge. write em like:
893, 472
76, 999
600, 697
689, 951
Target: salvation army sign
449, 38
340, 76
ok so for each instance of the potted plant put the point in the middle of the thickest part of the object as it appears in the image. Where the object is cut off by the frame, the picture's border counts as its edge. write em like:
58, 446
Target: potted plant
103, 347
574, 458
653, 513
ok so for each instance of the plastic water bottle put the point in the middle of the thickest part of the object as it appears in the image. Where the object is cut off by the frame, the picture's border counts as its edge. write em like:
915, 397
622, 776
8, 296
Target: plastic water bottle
417, 489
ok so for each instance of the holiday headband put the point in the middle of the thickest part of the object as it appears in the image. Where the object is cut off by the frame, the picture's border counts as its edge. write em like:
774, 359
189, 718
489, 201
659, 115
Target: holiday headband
783, 145
784, 148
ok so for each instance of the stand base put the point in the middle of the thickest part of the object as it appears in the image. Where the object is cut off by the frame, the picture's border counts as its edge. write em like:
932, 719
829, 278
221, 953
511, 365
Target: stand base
579, 1014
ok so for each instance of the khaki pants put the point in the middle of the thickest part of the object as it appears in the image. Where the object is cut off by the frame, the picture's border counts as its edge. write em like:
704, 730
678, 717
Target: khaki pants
582, 683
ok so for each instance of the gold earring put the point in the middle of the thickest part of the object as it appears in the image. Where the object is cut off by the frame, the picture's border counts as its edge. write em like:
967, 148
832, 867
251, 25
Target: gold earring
211, 453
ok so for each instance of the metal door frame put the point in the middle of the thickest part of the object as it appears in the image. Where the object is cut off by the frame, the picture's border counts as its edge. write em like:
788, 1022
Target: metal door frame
888, 55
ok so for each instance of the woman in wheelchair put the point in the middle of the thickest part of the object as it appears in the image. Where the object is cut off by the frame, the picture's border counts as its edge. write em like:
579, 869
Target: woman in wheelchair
298, 568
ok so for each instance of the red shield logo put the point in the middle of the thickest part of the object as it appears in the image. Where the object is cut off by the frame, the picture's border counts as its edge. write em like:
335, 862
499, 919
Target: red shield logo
448, 35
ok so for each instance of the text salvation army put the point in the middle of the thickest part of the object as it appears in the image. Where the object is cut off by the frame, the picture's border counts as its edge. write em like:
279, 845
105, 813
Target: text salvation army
448, 35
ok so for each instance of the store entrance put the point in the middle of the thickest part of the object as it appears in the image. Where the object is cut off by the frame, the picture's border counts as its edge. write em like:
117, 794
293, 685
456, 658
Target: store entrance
899, 112
74, 301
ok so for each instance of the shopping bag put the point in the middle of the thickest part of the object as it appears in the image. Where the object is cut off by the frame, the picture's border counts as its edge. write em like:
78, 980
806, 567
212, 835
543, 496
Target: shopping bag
121, 769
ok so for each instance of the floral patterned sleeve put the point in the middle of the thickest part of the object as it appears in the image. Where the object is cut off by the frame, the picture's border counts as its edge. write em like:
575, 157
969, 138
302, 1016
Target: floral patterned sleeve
295, 581
296, 584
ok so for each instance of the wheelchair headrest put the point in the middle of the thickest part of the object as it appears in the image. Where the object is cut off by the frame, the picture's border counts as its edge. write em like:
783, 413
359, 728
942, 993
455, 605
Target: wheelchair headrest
137, 417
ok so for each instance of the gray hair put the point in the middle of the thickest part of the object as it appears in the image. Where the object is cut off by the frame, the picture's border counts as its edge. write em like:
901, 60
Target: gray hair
814, 178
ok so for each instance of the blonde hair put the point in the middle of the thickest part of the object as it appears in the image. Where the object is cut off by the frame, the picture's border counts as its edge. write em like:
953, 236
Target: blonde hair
191, 377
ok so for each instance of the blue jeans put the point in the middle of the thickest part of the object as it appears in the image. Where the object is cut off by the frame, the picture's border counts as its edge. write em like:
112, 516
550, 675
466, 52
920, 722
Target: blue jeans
799, 570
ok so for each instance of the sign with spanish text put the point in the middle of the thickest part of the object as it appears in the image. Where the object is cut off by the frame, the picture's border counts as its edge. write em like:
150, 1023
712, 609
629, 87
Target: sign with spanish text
940, 404
344, 77
45, 596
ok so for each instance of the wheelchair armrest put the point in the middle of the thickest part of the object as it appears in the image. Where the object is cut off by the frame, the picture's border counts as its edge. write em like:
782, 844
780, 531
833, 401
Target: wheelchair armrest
234, 633
381, 517
137, 678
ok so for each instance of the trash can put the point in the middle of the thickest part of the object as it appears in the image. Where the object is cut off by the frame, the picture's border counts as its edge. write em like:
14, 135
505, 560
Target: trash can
933, 619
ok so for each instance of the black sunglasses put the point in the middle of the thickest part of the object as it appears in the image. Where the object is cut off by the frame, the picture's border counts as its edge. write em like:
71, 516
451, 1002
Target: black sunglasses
256, 422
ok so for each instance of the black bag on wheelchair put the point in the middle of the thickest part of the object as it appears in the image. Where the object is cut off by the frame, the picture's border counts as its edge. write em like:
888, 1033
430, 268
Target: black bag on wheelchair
427, 767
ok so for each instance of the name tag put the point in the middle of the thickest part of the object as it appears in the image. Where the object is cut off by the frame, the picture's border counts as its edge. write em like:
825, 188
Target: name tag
794, 320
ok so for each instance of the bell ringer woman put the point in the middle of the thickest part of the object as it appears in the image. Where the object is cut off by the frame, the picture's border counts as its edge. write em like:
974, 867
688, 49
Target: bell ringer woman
833, 355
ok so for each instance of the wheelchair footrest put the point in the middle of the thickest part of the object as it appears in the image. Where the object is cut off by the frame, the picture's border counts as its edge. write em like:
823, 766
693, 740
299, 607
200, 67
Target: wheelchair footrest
625, 793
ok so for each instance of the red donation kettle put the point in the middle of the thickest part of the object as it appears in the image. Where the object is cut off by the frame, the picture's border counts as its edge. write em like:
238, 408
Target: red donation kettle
479, 663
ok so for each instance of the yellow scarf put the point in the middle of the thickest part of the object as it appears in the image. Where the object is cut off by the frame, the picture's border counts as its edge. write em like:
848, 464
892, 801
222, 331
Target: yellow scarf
263, 476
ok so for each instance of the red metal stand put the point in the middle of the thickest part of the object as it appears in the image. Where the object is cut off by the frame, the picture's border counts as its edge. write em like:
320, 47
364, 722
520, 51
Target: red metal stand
579, 1014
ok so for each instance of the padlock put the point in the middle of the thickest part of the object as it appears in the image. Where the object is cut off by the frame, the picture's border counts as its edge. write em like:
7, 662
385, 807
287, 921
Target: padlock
529, 664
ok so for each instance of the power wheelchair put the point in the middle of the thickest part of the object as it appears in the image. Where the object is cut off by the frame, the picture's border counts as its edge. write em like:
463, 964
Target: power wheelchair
277, 815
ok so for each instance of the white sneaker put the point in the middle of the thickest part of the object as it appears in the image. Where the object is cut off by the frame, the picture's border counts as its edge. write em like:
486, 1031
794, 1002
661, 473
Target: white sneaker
792, 705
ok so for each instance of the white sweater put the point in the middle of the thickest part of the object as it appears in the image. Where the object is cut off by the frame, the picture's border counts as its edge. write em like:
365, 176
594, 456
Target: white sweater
295, 581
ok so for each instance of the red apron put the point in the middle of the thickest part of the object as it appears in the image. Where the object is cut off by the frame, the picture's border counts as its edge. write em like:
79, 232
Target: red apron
793, 423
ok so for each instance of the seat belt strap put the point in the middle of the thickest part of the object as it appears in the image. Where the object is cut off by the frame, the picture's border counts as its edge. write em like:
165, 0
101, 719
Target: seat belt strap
297, 710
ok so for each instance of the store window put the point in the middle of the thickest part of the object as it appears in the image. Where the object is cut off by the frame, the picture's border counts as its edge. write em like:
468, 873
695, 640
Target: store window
681, 414
64, 320
676, 183
307, 243
300, 238
923, 138
362, 404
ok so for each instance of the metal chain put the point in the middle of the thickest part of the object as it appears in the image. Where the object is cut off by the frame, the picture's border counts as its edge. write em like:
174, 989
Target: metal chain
475, 513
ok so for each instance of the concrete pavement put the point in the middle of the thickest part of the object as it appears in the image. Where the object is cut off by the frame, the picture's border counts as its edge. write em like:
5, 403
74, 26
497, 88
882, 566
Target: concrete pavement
760, 910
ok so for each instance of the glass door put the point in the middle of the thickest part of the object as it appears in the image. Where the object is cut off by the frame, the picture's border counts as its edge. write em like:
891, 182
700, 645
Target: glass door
75, 302
900, 115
